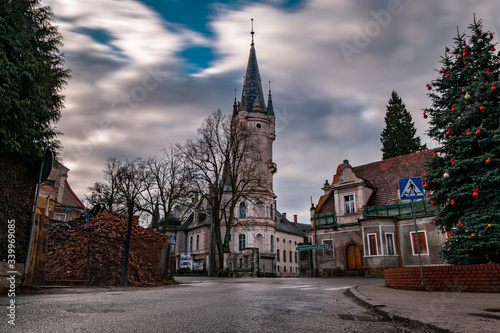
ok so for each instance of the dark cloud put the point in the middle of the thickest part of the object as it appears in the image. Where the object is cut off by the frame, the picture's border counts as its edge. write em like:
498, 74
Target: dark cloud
135, 89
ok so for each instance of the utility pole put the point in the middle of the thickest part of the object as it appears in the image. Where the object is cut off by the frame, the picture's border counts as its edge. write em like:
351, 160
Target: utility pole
126, 244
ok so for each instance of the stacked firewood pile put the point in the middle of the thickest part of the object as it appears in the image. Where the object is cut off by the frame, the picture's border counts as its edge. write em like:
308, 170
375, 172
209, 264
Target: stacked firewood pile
67, 252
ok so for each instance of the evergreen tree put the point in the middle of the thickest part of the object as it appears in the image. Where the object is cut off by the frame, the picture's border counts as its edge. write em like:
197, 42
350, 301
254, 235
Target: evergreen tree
464, 174
398, 137
31, 78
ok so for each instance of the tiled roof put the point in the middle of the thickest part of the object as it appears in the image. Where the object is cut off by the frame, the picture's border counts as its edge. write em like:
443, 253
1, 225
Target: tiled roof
384, 175
282, 224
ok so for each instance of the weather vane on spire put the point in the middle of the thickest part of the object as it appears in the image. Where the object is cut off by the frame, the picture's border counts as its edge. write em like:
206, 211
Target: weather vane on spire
252, 33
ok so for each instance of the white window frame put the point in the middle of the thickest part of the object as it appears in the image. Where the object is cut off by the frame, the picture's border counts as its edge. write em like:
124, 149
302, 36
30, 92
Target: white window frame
413, 246
393, 244
369, 245
353, 203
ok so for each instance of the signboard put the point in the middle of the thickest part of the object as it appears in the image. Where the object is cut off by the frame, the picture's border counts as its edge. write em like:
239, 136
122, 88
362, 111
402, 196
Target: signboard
411, 188
173, 240
198, 264
185, 260
330, 247
311, 247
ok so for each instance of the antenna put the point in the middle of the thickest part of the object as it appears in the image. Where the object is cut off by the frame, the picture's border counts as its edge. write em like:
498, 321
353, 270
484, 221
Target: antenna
269, 86
252, 33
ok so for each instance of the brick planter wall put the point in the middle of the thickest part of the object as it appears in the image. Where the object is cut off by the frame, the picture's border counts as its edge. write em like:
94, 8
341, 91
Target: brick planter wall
473, 278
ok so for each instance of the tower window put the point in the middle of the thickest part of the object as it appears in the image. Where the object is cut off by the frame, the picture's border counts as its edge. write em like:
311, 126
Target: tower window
258, 125
243, 210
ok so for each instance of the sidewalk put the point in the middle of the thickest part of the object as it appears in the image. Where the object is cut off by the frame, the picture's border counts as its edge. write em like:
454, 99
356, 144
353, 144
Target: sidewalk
448, 311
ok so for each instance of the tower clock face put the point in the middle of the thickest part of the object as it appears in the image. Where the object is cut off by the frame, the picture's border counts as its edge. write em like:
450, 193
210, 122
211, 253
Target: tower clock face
259, 125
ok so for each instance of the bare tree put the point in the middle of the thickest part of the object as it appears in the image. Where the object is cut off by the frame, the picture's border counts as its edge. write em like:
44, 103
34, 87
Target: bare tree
106, 194
223, 167
166, 185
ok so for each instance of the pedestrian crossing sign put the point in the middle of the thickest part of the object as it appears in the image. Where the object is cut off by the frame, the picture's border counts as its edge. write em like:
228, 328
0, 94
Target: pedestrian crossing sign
411, 188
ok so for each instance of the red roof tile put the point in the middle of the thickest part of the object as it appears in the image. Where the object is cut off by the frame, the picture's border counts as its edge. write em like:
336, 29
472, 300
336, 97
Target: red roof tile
384, 175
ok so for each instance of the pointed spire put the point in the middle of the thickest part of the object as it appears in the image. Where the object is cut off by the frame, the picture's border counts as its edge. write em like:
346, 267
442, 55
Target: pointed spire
270, 108
252, 33
252, 96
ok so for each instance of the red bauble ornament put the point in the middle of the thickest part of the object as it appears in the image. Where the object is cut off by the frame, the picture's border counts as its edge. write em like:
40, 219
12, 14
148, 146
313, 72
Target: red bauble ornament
493, 48
447, 50
465, 62
447, 75
488, 160
474, 193
453, 162
434, 153
448, 132
425, 115
428, 86
463, 42
491, 35
482, 108
452, 202
463, 89
426, 184
453, 108
493, 87
478, 131
443, 70
433, 202
468, 133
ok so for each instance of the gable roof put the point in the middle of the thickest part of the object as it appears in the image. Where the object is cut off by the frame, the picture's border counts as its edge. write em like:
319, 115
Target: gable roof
283, 225
384, 175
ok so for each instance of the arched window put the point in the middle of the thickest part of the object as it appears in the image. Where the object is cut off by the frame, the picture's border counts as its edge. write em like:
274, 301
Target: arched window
272, 212
190, 243
272, 243
241, 242
243, 210
197, 242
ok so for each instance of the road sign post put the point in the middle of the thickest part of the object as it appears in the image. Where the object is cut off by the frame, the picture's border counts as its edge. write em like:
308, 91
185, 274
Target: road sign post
410, 189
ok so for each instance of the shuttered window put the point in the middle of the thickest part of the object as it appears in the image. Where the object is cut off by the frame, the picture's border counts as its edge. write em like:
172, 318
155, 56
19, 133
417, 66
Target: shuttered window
372, 244
422, 241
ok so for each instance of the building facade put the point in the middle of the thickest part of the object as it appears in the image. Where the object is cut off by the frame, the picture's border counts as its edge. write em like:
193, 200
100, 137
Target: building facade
370, 227
262, 241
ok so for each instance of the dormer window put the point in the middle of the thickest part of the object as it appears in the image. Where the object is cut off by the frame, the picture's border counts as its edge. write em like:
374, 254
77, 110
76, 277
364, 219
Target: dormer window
349, 206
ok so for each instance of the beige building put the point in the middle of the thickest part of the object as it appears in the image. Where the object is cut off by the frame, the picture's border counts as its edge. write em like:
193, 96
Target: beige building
57, 200
370, 227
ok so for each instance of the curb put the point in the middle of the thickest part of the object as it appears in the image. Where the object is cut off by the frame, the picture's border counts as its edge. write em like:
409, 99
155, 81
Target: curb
391, 315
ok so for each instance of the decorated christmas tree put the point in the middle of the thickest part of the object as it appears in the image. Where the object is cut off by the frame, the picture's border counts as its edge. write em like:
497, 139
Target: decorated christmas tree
464, 174
398, 137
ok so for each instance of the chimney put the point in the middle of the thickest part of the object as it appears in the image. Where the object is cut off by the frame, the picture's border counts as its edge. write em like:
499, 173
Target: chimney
284, 215
295, 218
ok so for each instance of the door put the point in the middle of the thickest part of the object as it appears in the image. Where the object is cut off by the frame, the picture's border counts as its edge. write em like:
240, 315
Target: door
353, 257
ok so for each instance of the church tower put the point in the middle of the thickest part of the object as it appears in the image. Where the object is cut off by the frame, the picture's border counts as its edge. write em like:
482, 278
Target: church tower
256, 218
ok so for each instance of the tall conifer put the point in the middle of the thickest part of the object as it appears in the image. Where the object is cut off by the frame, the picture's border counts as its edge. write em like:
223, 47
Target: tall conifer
398, 137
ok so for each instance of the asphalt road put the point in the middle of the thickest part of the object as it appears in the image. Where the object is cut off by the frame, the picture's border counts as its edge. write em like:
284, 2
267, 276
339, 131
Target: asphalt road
202, 305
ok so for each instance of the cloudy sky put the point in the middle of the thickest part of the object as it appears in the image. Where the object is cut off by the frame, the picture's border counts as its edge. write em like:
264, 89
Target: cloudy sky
146, 73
